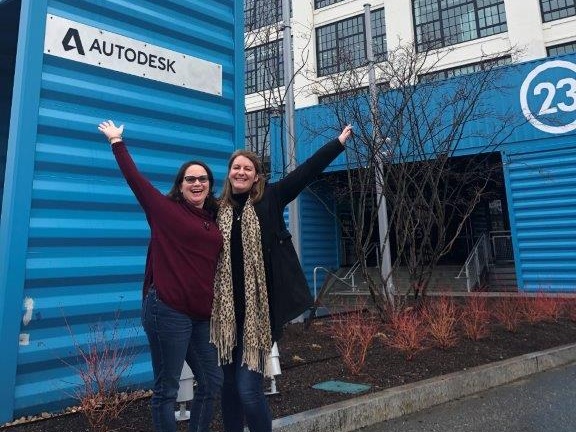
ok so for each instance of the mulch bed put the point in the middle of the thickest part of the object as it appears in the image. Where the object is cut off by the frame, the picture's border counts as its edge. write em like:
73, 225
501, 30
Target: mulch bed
308, 357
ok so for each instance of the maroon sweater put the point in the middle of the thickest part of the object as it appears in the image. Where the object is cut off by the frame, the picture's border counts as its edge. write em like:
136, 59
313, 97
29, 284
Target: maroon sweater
184, 245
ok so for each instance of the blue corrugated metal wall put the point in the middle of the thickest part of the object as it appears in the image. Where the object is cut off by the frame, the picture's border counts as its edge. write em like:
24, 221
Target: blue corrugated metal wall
542, 198
314, 128
74, 238
319, 233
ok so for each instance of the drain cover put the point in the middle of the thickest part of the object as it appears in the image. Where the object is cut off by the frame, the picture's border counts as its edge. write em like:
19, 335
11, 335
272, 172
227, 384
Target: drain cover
341, 387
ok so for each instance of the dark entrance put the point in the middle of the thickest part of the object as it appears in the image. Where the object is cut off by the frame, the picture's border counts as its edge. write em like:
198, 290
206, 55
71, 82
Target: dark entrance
489, 216
9, 22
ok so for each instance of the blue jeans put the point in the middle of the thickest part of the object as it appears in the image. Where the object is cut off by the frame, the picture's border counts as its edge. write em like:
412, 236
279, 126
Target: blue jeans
173, 338
243, 396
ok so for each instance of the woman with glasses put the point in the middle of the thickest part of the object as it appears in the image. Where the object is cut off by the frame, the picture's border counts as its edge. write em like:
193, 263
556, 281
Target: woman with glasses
178, 283
259, 284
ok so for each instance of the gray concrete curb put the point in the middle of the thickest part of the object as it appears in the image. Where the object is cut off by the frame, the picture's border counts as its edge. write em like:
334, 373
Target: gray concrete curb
373, 408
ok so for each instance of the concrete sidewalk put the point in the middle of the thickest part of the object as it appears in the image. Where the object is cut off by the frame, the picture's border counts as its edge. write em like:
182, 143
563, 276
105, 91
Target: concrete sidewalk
542, 402
374, 408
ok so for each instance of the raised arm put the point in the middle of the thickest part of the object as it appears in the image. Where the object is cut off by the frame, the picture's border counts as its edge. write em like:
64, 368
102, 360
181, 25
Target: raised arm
141, 187
290, 186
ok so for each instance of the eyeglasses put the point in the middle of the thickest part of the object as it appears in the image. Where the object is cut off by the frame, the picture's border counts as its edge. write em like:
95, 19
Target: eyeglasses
192, 179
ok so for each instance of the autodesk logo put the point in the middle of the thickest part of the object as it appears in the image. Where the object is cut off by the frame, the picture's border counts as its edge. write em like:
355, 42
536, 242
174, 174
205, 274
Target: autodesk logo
72, 34
94, 46
119, 52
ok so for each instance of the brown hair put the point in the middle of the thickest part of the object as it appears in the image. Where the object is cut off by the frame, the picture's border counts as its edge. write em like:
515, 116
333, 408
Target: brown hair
257, 190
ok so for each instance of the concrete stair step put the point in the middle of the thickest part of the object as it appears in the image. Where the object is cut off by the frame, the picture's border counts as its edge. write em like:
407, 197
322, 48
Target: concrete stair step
502, 278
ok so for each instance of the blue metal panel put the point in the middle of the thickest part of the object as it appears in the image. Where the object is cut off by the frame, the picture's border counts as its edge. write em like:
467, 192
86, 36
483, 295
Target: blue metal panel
541, 188
319, 233
17, 193
498, 105
73, 236
311, 134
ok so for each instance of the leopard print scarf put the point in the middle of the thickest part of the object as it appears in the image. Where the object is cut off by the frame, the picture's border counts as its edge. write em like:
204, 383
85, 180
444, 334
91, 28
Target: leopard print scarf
257, 336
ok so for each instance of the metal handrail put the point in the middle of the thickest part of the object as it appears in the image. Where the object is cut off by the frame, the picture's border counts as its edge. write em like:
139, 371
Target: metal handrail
350, 273
476, 262
471, 255
501, 246
329, 273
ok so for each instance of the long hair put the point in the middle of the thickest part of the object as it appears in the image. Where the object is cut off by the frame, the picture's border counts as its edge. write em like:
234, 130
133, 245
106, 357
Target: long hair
210, 204
257, 190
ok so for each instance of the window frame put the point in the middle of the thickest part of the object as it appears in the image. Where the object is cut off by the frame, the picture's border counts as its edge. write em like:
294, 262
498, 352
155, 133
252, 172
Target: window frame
364, 91
259, 142
258, 14
559, 47
444, 17
319, 4
460, 70
552, 14
338, 46
256, 74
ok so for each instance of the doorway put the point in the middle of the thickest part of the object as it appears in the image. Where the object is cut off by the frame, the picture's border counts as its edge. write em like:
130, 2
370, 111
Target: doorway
9, 23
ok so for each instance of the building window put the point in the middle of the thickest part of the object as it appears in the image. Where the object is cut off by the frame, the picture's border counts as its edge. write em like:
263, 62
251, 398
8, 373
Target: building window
440, 23
557, 9
264, 67
363, 92
343, 95
257, 134
261, 13
378, 34
257, 138
465, 69
342, 45
568, 48
323, 3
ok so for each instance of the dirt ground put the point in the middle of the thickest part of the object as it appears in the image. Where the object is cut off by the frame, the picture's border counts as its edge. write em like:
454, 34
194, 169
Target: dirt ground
308, 357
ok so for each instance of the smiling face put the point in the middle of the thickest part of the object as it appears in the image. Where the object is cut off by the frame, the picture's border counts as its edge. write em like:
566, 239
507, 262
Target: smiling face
195, 185
242, 175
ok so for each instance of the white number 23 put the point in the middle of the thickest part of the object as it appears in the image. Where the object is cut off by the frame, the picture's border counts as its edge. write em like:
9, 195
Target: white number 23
570, 93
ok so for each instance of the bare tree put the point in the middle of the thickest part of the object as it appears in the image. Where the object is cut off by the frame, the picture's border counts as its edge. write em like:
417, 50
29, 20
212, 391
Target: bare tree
408, 148
263, 45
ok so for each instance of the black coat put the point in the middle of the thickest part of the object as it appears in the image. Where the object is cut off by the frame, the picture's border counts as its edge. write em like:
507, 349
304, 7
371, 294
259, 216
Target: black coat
288, 292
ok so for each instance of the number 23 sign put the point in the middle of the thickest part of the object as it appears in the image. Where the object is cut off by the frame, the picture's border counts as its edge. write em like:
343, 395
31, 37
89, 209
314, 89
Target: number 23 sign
551, 96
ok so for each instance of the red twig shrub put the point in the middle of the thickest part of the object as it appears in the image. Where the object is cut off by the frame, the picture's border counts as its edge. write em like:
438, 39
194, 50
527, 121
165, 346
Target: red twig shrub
440, 316
527, 309
548, 308
541, 308
102, 360
570, 308
475, 318
406, 333
353, 333
508, 312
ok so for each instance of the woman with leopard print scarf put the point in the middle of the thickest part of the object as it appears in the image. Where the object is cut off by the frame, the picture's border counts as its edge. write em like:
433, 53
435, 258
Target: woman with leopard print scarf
259, 285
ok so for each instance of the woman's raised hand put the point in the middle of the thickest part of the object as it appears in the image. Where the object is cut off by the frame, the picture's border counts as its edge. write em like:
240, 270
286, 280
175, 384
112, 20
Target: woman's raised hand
346, 132
113, 133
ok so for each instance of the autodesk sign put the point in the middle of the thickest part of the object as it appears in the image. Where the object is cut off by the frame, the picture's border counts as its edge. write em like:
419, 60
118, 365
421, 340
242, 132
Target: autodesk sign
85, 44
